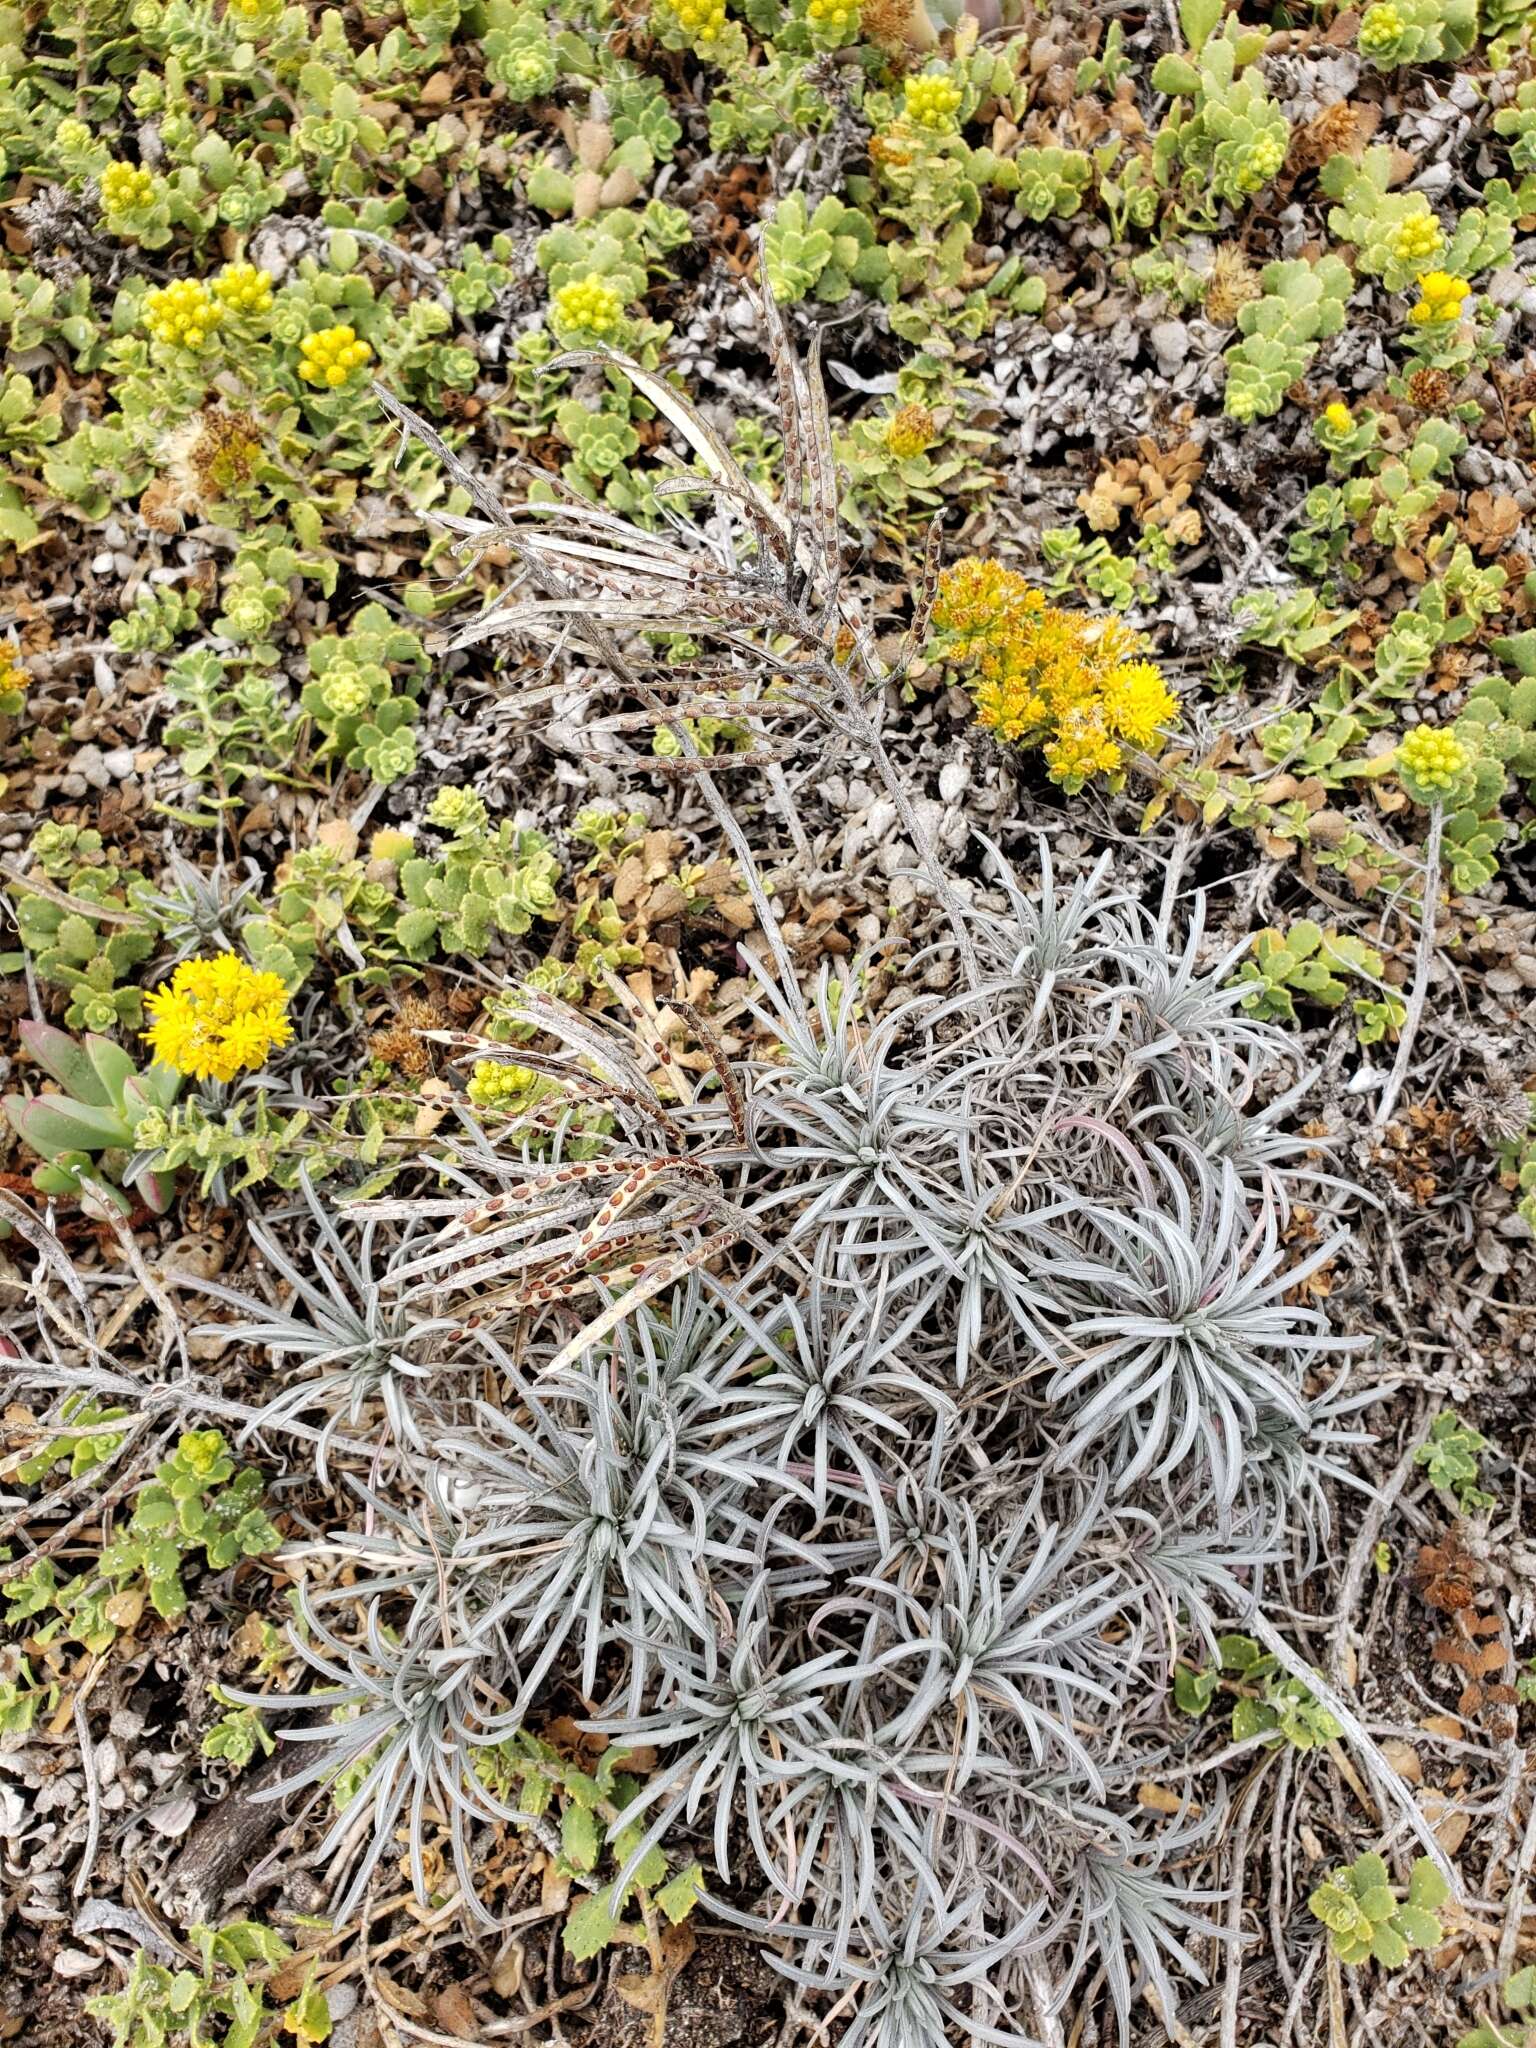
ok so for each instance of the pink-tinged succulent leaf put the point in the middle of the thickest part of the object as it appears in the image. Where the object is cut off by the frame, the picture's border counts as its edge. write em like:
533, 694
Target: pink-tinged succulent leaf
154, 1190
156, 1088
113, 1065
65, 1060
53, 1123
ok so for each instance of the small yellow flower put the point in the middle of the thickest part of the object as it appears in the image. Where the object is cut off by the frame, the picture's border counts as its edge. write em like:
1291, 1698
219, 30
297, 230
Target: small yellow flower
1339, 417
836, 21
978, 596
244, 288
1418, 237
125, 188
932, 101
494, 1084
588, 305
13, 677
1082, 746
701, 21
1137, 702
182, 315
215, 1017
1441, 298
329, 357
1432, 757
909, 430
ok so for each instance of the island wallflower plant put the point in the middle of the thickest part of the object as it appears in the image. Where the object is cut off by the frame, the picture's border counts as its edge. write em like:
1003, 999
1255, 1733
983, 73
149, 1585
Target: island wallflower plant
215, 1018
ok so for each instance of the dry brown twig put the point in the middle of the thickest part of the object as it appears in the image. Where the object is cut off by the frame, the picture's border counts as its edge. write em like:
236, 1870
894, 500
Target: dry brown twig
1356, 1565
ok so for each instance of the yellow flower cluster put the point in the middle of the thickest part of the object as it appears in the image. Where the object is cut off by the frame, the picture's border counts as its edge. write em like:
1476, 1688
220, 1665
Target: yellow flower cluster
215, 1017
244, 288
182, 315
909, 430
1339, 416
1432, 757
932, 101
589, 306
330, 357
1265, 156
1071, 684
836, 21
701, 21
12, 675
1380, 27
125, 188
1441, 298
1418, 237
495, 1085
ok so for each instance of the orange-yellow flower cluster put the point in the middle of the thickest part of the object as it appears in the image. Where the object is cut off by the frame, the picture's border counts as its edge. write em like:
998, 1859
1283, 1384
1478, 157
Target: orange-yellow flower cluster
1071, 684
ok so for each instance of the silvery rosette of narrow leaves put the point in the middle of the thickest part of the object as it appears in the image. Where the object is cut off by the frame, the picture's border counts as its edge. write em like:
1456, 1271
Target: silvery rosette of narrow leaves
866, 1435
862, 1428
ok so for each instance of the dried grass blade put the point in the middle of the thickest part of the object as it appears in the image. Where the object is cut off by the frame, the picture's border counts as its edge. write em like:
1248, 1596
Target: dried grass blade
683, 415
411, 422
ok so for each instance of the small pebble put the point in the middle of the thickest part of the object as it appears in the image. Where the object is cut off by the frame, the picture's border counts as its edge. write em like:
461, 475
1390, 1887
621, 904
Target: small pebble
88, 762
76, 1962
954, 780
172, 1817
1170, 339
